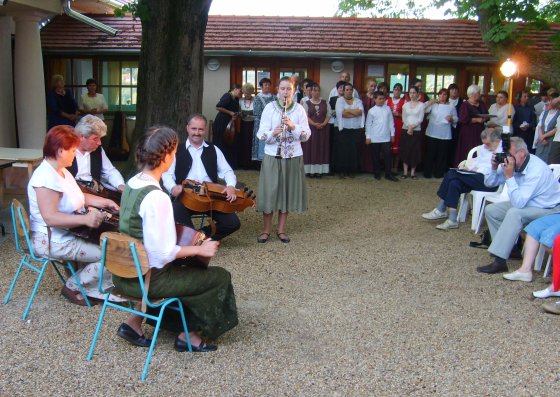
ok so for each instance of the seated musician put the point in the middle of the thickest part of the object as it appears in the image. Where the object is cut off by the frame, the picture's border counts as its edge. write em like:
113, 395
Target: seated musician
200, 161
54, 196
91, 164
147, 214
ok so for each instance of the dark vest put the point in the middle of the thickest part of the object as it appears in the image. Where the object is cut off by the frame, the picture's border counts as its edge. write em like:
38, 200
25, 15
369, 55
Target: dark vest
183, 162
95, 166
130, 221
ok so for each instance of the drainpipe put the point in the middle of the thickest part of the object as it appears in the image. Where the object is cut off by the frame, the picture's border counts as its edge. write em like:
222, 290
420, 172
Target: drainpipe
87, 20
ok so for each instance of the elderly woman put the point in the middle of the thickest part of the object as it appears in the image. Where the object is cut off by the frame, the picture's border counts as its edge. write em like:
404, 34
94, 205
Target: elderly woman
411, 135
92, 102
61, 105
473, 113
262, 99
438, 134
500, 111
228, 109
351, 118
282, 184
247, 122
54, 199
147, 214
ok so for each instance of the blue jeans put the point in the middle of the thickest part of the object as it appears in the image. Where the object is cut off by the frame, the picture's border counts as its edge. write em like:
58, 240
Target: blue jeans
455, 183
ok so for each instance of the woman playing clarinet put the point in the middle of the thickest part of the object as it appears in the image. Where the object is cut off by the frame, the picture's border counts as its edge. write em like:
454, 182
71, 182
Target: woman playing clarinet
282, 184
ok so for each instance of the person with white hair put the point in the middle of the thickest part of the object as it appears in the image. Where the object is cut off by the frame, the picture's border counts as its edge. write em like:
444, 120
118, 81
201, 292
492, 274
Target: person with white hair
91, 164
473, 113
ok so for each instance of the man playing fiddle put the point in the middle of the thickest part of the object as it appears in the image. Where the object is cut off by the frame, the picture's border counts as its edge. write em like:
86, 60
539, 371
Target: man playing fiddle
200, 161
91, 164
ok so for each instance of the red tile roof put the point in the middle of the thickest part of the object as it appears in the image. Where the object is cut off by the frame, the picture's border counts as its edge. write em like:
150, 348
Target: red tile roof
322, 36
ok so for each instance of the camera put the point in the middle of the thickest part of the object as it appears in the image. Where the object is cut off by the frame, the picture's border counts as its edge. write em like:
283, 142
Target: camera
506, 144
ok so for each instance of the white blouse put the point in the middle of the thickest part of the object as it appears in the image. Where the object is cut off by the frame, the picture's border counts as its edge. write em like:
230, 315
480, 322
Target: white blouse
291, 142
72, 199
158, 223
413, 115
97, 102
501, 113
439, 127
352, 122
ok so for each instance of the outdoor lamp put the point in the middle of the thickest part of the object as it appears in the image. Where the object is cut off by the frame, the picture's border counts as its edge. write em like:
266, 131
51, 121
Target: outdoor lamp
508, 69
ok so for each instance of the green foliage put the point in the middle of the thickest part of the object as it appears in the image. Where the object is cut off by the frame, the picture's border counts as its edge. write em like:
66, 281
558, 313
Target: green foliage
138, 9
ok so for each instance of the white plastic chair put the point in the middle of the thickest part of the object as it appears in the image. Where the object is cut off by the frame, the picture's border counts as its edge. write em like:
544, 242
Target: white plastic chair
485, 198
463, 207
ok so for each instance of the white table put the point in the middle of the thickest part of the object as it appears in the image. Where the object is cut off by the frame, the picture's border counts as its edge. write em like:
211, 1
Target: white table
23, 157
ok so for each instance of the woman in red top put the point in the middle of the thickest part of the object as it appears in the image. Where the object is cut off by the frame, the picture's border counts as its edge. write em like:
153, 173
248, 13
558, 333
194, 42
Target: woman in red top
396, 103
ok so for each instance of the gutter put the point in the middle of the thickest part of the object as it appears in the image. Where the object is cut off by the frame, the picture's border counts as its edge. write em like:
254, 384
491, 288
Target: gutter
87, 20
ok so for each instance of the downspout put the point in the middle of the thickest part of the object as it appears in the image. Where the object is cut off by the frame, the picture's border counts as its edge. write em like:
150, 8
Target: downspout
87, 20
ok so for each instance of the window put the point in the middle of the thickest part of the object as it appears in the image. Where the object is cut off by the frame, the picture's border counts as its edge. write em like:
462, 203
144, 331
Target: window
302, 72
119, 80
75, 73
434, 78
398, 73
254, 74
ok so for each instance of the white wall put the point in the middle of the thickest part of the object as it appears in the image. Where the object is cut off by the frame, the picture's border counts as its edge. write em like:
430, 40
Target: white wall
330, 78
216, 83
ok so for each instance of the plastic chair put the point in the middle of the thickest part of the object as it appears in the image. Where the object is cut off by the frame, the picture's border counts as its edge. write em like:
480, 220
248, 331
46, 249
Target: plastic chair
126, 257
463, 207
30, 260
492, 197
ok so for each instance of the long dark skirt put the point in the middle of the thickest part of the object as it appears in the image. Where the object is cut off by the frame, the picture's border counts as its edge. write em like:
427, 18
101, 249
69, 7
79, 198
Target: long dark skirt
435, 162
411, 148
346, 158
207, 296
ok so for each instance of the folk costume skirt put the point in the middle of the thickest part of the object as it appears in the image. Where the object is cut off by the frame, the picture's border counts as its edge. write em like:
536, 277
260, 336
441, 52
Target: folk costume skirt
411, 148
282, 185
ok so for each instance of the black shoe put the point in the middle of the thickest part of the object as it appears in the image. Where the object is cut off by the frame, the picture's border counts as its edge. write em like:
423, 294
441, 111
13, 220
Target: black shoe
377, 176
181, 346
130, 335
515, 253
493, 268
391, 178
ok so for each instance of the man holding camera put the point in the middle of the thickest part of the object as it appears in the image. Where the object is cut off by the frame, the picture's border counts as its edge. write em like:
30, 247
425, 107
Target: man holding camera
533, 192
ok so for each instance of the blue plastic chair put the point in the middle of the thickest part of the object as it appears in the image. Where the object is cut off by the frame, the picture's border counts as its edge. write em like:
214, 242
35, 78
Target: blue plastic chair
30, 260
125, 256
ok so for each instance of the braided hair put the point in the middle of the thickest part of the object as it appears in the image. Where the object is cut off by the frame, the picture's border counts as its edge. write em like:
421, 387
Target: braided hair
155, 144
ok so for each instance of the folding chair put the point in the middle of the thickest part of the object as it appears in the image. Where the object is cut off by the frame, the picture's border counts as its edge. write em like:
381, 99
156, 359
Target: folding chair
30, 260
126, 257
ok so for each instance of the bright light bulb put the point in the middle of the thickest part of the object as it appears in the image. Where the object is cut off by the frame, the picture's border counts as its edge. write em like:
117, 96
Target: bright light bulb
508, 68
399, 76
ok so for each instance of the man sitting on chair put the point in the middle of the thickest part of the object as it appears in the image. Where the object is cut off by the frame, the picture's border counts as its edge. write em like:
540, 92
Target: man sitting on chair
533, 192
200, 161
464, 179
91, 164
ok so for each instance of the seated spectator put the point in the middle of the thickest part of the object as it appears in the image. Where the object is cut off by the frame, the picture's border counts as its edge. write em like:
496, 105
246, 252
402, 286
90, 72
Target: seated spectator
553, 290
464, 179
533, 192
541, 231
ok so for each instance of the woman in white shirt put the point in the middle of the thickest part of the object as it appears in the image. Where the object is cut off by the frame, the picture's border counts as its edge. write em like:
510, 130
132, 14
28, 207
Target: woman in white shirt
54, 197
500, 110
443, 116
147, 214
92, 102
351, 118
411, 136
282, 184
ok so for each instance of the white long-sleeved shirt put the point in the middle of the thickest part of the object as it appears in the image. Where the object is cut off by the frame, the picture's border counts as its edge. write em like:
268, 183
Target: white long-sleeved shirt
413, 116
108, 171
439, 127
380, 124
198, 172
349, 122
501, 113
291, 143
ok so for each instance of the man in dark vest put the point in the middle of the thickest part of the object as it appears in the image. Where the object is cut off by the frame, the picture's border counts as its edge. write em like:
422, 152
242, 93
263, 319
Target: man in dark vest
91, 163
200, 161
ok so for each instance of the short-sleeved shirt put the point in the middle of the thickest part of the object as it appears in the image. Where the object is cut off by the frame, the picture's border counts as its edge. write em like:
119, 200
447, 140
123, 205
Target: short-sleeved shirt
97, 102
72, 198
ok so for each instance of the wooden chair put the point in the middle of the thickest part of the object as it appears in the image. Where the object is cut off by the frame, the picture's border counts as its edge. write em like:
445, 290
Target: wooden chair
30, 260
126, 257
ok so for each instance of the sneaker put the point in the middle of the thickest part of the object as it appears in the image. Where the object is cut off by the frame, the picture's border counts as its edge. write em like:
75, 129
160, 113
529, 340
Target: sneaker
448, 225
553, 308
434, 214
545, 293
519, 276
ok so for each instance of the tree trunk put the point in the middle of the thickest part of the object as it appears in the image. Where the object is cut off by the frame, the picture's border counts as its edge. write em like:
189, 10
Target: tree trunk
171, 67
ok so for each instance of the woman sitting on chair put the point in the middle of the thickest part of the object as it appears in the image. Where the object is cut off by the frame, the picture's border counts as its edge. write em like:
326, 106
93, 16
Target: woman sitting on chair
54, 196
147, 214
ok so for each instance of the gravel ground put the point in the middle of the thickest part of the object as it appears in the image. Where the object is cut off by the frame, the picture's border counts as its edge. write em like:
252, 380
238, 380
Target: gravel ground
368, 299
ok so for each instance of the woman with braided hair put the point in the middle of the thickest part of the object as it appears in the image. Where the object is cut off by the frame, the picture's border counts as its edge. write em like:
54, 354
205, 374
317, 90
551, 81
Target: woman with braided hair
147, 214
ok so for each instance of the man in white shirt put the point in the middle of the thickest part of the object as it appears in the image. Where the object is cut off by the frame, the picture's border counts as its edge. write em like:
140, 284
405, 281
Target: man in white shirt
344, 76
200, 161
91, 164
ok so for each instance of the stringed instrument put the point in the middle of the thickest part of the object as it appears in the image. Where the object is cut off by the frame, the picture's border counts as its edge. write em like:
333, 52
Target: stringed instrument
208, 196
109, 224
97, 189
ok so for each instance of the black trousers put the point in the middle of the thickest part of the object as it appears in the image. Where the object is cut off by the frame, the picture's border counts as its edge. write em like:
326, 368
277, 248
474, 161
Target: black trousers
226, 224
376, 150
435, 162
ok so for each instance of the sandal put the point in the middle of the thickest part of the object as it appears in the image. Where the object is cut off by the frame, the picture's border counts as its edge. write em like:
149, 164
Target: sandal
285, 240
404, 176
413, 177
263, 240
74, 297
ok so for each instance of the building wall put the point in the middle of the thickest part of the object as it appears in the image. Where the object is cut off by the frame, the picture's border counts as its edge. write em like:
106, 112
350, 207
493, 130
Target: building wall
330, 78
216, 83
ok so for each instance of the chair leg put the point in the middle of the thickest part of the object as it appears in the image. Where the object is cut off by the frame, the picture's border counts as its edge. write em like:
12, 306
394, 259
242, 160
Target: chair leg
539, 258
184, 321
97, 329
152, 346
21, 264
35, 288
480, 217
547, 268
75, 277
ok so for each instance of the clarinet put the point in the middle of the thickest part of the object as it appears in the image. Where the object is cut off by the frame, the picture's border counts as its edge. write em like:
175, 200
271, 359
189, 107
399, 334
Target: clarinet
283, 135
